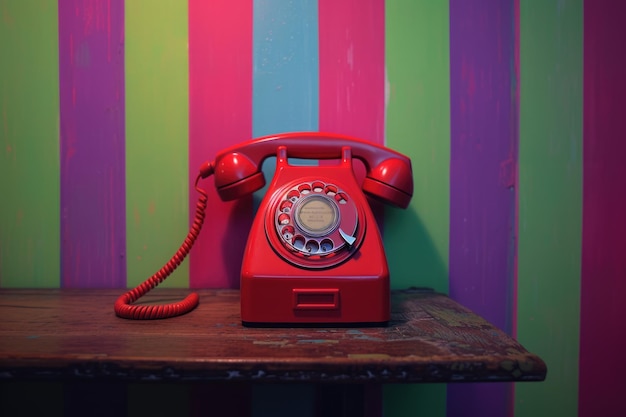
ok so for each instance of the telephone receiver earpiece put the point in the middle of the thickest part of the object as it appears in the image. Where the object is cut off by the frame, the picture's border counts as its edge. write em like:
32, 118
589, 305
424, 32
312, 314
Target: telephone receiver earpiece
236, 175
391, 182
389, 175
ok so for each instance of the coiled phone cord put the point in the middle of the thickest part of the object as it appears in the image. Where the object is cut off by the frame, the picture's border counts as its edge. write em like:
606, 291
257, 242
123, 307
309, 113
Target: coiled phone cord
123, 306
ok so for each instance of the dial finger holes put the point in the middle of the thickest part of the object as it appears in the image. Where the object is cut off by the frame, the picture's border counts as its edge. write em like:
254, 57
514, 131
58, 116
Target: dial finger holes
318, 186
330, 190
307, 218
312, 246
326, 245
288, 232
298, 242
283, 219
293, 195
341, 198
286, 206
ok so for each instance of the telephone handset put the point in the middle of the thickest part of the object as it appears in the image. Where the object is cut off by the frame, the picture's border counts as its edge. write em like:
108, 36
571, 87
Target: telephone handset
314, 253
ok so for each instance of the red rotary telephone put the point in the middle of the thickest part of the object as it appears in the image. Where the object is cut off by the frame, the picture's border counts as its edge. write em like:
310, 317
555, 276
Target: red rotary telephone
314, 254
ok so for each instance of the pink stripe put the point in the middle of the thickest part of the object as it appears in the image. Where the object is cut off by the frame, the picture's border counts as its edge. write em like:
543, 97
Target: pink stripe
352, 71
220, 102
352, 68
352, 78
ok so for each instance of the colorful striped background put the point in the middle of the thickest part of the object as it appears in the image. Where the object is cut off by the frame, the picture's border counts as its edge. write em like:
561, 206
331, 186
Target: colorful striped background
510, 110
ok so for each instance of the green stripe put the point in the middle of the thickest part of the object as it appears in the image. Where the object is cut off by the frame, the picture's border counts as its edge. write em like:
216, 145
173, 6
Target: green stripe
29, 144
550, 201
418, 124
156, 137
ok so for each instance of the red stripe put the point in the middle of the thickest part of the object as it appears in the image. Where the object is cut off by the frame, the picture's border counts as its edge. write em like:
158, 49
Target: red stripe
220, 103
603, 280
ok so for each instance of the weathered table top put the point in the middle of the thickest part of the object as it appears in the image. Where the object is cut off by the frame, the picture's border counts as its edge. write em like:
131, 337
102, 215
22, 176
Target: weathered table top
75, 334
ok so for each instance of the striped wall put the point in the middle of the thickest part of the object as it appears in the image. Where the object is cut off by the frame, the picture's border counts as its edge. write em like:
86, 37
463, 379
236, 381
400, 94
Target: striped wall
510, 110
550, 201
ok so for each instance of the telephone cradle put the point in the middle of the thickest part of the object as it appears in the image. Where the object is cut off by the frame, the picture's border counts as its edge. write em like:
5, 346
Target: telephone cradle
314, 254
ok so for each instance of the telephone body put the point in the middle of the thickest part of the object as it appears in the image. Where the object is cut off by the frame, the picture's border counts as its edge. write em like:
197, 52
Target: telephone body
314, 254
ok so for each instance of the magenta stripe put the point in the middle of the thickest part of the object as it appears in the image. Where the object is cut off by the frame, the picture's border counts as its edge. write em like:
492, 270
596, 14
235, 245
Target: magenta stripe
220, 114
482, 178
603, 277
352, 68
91, 68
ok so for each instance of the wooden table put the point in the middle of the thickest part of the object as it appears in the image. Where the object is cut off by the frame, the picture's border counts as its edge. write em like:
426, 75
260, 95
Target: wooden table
74, 334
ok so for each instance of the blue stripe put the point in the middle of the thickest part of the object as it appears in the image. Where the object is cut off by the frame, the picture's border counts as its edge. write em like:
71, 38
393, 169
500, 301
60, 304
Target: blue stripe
285, 98
285, 73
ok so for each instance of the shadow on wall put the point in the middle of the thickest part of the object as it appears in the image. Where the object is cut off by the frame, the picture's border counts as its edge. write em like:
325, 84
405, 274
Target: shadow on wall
413, 257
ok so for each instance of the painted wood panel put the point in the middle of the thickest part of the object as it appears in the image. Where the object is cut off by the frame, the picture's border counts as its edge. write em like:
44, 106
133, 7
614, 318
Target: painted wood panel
91, 88
29, 140
156, 142
352, 68
550, 201
285, 67
603, 283
417, 123
483, 155
220, 114
108, 108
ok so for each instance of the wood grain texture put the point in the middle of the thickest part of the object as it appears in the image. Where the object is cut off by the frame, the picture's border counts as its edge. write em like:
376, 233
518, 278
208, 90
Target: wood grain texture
550, 200
156, 145
91, 86
603, 283
29, 145
75, 334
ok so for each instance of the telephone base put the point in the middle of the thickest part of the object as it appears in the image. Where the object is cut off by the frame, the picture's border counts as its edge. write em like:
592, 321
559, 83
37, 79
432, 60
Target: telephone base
323, 302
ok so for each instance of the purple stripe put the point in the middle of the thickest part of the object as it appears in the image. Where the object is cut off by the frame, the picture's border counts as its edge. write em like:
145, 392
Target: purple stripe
91, 71
482, 178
